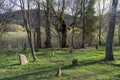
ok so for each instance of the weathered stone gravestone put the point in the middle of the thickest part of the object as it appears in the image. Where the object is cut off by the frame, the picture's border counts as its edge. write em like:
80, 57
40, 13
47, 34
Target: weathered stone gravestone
59, 71
23, 59
53, 53
74, 62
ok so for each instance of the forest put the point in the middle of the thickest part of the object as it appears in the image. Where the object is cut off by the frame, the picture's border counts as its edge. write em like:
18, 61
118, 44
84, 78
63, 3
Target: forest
59, 39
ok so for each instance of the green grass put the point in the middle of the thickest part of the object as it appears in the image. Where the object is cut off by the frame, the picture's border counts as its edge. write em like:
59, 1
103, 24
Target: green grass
89, 68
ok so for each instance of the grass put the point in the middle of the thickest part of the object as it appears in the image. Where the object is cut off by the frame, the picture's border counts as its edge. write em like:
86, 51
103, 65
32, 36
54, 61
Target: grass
89, 68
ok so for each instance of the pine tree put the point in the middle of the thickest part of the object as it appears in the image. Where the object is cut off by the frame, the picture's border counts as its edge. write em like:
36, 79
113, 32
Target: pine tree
90, 22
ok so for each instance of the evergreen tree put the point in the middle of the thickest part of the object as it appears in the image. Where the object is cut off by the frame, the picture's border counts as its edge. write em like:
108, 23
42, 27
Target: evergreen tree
90, 21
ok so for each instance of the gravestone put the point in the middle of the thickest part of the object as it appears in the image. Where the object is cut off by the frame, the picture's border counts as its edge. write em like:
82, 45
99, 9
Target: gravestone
23, 59
74, 62
59, 71
53, 53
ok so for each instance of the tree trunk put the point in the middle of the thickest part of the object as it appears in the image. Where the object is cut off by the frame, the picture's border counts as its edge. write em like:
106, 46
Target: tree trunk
31, 42
83, 35
99, 35
101, 9
72, 38
119, 34
35, 40
26, 19
38, 27
48, 35
84, 20
24, 46
60, 40
109, 41
64, 35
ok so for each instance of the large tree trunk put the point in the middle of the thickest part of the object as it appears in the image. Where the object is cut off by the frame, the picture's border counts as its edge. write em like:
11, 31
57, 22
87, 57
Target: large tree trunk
64, 35
38, 27
64, 27
60, 40
48, 35
109, 41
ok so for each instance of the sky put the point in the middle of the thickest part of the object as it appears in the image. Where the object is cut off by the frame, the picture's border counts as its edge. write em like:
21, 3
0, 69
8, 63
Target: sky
96, 6
106, 4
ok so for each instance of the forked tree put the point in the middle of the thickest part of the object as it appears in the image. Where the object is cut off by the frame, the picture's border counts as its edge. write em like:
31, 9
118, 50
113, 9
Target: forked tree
26, 19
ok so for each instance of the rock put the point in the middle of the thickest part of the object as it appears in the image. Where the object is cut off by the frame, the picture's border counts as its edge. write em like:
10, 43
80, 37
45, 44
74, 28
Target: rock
23, 59
53, 53
74, 62
59, 71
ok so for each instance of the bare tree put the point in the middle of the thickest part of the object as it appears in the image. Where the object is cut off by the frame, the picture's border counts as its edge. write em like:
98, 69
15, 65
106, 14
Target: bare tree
26, 18
63, 24
48, 24
38, 30
109, 41
75, 8
5, 15
101, 9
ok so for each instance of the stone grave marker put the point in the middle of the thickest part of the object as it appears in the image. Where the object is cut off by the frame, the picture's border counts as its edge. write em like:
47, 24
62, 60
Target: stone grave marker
23, 59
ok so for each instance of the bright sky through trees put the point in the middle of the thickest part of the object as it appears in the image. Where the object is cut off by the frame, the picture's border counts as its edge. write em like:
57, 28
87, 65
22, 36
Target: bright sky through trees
107, 5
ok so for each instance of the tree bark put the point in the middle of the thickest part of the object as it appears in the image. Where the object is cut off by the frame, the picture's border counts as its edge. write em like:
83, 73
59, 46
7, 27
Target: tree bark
72, 38
109, 41
31, 42
64, 27
48, 35
84, 20
119, 35
64, 35
38, 27
99, 35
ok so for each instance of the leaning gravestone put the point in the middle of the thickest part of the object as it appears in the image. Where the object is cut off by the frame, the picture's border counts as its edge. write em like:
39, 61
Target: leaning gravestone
53, 53
59, 71
23, 59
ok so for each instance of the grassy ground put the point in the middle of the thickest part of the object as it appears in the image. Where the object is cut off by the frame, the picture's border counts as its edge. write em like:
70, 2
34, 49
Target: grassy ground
90, 67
